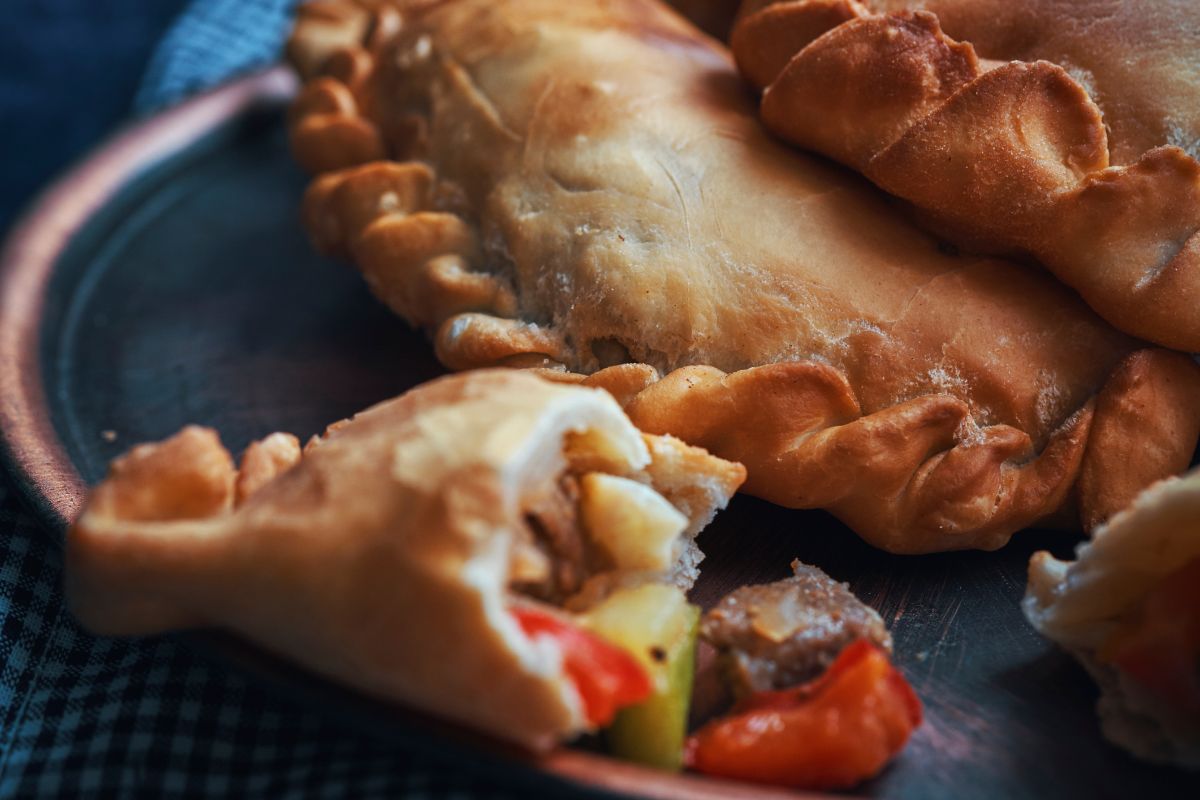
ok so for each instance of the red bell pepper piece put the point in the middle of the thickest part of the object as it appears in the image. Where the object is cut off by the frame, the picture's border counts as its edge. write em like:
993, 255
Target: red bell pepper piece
1160, 646
833, 732
607, 677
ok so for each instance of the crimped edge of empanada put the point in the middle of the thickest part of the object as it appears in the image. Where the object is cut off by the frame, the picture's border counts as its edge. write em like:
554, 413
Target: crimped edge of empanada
917, 477
1008, 158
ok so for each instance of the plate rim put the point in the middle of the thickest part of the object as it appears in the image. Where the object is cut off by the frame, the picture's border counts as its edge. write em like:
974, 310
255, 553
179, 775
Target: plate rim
31, 452
35, 458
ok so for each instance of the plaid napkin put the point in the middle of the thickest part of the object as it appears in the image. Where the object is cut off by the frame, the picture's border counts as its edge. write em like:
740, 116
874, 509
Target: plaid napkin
82, 716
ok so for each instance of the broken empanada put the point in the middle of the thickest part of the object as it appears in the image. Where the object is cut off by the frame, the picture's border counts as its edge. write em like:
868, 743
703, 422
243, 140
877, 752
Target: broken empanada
1128, 608
585, 186
405, 552
1081, 154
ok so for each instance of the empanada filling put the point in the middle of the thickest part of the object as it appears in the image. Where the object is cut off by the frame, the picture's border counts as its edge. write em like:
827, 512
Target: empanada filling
779, 635
1157, 644
599, 541
588, 531
552, 556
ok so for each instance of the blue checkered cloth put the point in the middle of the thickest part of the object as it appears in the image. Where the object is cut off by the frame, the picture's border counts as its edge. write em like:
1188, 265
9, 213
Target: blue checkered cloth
82, 716
213, 41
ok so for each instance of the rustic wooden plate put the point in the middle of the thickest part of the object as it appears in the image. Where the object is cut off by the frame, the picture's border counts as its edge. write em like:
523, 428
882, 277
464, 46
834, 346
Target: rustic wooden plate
166, 280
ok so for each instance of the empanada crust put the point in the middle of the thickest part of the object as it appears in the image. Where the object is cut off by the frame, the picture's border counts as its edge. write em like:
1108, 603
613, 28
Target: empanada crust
585, 186
1080, 154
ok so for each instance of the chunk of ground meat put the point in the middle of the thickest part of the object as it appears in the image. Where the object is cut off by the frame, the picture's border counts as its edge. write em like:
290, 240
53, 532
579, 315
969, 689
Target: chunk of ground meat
776, 635
551, 518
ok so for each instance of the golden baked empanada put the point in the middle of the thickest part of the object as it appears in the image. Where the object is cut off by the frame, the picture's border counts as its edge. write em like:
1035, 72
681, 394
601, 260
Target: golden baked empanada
585, 186
1081, 153
1129, 609
399, 554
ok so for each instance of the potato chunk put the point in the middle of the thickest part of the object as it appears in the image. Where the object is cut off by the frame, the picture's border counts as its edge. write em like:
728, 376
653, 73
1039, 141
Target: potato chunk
634, 525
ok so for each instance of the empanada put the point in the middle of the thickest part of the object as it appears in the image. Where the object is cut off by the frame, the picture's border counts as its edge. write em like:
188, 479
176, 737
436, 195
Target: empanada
1129, 609
396, 554
1081, 154
585, 186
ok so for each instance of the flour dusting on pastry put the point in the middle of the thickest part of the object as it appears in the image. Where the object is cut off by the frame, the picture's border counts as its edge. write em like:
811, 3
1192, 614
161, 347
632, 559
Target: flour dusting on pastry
774, 309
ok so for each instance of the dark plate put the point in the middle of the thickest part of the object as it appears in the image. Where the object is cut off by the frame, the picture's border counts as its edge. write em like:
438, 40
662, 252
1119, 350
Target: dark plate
167, 281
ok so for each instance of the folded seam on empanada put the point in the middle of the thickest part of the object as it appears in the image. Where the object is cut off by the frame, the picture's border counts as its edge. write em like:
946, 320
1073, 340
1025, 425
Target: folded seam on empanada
1000, 157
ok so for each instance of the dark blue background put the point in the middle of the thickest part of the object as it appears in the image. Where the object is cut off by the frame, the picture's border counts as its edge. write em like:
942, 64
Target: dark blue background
68, 72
